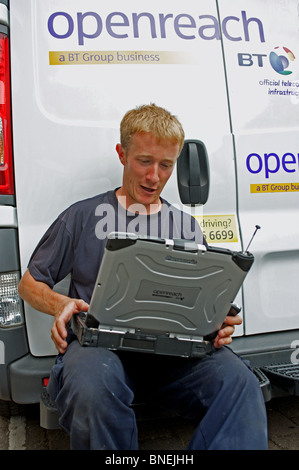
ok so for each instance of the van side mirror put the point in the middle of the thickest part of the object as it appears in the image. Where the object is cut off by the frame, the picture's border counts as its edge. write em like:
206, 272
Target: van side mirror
193, 173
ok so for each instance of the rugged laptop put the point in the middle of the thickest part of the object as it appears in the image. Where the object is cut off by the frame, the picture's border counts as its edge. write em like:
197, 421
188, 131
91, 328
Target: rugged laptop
161, 296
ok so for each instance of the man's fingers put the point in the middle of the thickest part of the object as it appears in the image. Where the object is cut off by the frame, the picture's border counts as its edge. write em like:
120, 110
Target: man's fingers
58, 339
82, 306
236, 320
59, 331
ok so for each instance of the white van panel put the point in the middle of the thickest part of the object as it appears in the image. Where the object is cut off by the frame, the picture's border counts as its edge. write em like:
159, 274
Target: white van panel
66, 116
264, 105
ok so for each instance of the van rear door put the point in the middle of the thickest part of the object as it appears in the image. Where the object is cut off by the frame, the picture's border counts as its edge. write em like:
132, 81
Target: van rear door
263, 89
77, 67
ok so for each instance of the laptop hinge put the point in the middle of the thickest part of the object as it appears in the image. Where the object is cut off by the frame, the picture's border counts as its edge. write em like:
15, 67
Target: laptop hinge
196, 339
149, 334
121, 331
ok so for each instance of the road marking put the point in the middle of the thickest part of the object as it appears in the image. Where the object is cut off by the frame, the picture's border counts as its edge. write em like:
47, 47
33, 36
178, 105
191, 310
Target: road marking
17, 433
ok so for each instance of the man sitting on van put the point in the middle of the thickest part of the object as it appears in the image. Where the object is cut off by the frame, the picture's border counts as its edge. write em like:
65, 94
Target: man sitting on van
94, 388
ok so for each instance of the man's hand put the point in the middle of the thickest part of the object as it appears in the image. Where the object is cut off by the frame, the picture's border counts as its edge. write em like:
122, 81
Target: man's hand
226, 331
64, 315
44, 299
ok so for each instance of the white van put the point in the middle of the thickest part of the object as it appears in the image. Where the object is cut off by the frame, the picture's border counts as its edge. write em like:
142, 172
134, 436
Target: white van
229, 69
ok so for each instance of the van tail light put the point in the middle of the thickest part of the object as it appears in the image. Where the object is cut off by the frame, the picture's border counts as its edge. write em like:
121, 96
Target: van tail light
11, 307
6, 166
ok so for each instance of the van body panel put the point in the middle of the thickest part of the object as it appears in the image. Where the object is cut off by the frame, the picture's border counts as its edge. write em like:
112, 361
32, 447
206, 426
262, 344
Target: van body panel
66, 150
228, 69
264, 106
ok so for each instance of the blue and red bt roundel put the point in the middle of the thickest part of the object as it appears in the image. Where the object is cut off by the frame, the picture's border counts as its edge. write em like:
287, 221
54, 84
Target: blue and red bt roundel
281, 59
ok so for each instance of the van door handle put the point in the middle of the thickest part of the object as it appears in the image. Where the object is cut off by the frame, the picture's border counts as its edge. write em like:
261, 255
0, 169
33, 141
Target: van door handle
193, 173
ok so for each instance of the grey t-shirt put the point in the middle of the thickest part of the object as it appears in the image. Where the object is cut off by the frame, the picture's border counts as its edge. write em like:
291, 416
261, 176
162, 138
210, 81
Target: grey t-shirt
74, 244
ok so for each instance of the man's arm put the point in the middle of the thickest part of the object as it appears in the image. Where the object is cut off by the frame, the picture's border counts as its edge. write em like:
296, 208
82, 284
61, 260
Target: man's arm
41, 297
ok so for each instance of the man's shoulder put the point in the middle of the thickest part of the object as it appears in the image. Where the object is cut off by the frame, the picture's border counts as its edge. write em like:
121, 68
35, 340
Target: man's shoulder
106, 197
91, 203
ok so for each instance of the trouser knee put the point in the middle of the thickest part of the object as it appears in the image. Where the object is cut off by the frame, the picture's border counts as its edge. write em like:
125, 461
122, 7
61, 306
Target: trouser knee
94, 372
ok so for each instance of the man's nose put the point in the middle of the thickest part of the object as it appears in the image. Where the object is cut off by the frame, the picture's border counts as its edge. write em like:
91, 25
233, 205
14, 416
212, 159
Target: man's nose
153, 173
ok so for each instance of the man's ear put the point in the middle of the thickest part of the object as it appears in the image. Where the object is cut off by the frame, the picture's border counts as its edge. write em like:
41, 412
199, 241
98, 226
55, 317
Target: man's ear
121, 153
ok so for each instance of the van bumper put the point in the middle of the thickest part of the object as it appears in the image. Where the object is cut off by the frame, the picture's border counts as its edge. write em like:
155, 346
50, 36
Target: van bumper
266, 348
13, 344
26, 378
276, 356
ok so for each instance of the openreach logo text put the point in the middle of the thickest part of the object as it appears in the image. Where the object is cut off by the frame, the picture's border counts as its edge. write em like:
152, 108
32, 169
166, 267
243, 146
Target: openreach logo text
271, 163
84, 26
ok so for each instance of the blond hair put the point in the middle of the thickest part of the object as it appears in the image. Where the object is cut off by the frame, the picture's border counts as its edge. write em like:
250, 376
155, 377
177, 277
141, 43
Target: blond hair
154, 119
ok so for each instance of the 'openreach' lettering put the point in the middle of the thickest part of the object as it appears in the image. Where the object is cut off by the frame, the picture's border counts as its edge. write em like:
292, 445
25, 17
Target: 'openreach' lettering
271, 163
118, 25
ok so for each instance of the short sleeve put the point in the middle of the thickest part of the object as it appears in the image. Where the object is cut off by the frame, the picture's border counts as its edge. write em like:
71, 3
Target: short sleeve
52, 259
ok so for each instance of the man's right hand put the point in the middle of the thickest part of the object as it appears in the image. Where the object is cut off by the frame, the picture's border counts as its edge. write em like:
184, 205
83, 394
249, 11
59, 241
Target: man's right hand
42, 298
58, 331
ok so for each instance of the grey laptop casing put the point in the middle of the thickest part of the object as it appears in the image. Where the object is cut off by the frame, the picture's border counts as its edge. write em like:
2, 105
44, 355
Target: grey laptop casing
161, 296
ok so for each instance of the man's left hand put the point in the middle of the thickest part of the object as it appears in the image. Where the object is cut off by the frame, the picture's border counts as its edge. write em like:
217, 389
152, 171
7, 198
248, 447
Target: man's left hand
224, 336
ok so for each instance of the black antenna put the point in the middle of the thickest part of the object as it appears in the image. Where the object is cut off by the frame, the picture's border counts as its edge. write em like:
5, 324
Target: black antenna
257, 227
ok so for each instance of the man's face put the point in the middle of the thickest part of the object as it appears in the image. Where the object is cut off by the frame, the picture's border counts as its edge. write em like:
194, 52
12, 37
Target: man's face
148, 163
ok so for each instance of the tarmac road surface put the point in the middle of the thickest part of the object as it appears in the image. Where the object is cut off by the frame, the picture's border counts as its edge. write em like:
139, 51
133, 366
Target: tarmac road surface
21, 431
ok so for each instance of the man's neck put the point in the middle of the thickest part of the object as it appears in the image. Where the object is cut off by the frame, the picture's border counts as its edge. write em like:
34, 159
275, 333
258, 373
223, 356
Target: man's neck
136, 207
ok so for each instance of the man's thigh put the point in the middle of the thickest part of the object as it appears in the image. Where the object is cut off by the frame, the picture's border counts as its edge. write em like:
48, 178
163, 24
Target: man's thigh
194, 383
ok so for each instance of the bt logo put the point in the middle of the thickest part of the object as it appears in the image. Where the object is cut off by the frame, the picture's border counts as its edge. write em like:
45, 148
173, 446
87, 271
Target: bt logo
279, 60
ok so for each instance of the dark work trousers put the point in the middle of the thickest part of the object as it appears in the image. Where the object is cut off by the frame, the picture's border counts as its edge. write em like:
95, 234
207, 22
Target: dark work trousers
94, 388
